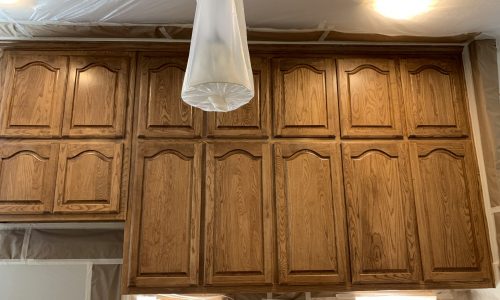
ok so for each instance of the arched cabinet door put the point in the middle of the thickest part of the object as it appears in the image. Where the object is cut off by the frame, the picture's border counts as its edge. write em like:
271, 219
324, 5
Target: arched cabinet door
434, 95
450, 217
89, 178
27, 172
33, 95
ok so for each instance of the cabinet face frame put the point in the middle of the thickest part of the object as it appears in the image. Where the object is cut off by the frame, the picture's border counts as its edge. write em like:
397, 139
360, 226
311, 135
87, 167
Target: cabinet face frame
151, 150
22, 62
323, 151
221, 153
402, 213
40, 152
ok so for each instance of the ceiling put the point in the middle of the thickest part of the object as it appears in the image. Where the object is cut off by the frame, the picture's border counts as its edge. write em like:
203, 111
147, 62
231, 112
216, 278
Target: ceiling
448, 17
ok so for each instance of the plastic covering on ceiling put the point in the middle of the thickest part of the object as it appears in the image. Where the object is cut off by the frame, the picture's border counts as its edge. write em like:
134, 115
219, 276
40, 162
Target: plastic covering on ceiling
447, 18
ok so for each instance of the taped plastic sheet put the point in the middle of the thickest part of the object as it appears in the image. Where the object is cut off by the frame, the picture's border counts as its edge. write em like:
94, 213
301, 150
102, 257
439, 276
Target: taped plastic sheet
105, 283
11, 243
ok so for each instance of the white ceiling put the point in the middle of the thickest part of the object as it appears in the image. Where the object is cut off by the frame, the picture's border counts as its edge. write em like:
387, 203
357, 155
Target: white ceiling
449, 17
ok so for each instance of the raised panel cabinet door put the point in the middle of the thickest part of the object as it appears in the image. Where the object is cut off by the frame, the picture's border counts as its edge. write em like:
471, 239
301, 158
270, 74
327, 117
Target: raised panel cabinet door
370, 101
252, 119
450, 215
305, 97
310, 214
434, 96
89, 177
164, 229
162, 113
33, 95
380, 213
27, 177
238, 220
97, 96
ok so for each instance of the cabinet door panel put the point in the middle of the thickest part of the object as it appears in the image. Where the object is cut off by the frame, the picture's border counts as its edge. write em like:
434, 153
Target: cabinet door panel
305, 97
369, 98
251, 120
311, 229
97, 96
89, 178
238, 246
27, 177
162, 113
450, 218
166, 215
33, 97
381, 216
434, 98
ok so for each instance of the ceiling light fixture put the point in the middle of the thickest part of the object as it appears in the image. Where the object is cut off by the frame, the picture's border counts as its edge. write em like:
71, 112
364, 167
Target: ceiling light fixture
402, 9
219, 74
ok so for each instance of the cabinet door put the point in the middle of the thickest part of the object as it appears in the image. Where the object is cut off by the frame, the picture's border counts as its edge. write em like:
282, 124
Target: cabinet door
369, 98
305, 97
33, 96
27, 177
434, 97
311, 214
251, 120
449, 211
239, 244
380, 209
97, 96
165, 215
162, 113
89, 177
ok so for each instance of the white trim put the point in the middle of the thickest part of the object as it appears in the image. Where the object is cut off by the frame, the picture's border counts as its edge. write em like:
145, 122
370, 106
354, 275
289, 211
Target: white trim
101, 225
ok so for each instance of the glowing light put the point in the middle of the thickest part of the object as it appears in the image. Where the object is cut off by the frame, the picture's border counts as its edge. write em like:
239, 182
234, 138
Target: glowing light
402, 9
395, 297
8, 1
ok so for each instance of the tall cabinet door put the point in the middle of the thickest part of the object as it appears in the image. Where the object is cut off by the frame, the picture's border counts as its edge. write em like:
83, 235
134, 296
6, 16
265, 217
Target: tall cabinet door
305, 97
311, 214
450, 218
369, 97
33, 95
164, 225
238, 220
380, 213
162, 113
434, 97
97, 96
27, 172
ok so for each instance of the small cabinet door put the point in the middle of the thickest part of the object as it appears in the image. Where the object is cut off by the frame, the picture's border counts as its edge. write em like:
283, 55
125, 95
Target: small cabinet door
238, 220
450, 218
380, 213
369, 97
434, 97
89, 177
305, 97
97, 96
252, 119
27, 177
162, 113
311, 214
33, 95
164, 225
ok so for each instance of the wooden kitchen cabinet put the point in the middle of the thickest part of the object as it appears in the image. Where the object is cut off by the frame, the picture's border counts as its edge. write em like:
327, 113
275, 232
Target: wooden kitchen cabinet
252, 119
89, 177
305, 97
97, 94
434, 96
164, 224
161, 112
311, 231
450, 217
27, 172
33, 95
369, 98
380, 212
239, 215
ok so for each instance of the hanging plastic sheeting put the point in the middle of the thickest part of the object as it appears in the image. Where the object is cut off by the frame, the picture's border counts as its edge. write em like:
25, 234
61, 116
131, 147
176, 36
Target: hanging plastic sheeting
219, 74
